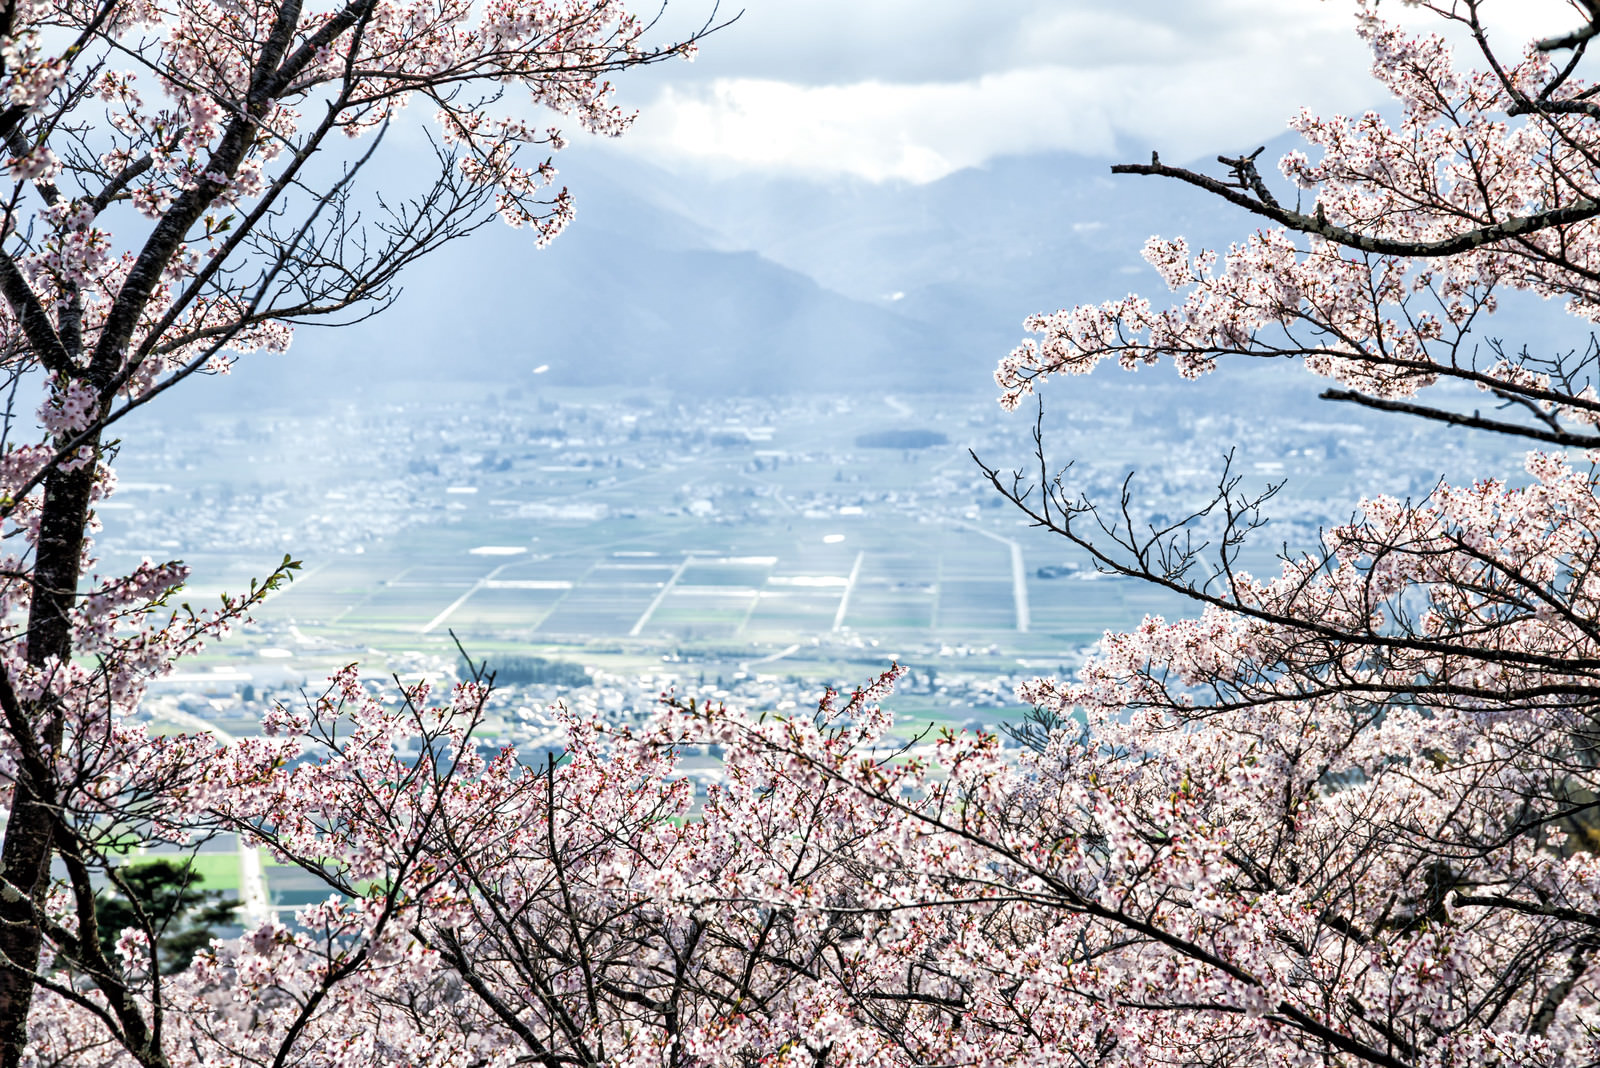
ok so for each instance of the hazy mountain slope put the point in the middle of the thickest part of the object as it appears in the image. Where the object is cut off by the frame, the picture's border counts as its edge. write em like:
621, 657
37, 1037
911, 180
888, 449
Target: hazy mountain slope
973, 253
632, 292
606, 305
752, 284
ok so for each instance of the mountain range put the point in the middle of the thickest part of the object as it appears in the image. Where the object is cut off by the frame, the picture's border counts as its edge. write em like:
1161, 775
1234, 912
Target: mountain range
747, 283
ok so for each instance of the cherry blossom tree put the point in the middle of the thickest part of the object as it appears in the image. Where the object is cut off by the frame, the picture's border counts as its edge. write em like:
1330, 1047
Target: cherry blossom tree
1343, 815
184, 183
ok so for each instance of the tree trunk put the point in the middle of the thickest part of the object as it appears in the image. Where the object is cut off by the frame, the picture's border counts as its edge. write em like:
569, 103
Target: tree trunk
26, 852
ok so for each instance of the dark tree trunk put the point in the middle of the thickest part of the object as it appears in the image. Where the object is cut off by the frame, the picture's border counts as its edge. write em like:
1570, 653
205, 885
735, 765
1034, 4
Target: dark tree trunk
29, 828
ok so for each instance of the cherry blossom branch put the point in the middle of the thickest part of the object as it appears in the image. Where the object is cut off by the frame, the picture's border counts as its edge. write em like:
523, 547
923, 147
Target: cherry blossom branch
1579, 210
1474, 421
1578, 37
1147, 553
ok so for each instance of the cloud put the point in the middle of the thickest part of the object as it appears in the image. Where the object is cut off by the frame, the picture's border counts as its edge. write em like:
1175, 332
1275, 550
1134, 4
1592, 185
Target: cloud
875, 130
882, 130
920, 41
912, 90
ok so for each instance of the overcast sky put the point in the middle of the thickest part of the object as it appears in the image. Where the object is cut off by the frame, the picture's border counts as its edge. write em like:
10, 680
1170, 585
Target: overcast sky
914, 89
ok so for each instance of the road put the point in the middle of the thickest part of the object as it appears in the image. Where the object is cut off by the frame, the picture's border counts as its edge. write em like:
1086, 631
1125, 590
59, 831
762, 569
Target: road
1019, 573
849, 588
253, 903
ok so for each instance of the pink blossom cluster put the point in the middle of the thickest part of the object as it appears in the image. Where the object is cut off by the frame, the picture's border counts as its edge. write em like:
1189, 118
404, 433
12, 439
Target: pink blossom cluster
1383, 281
1265, 888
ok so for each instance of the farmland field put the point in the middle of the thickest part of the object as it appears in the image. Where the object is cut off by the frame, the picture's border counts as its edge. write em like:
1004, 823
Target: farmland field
619, 535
